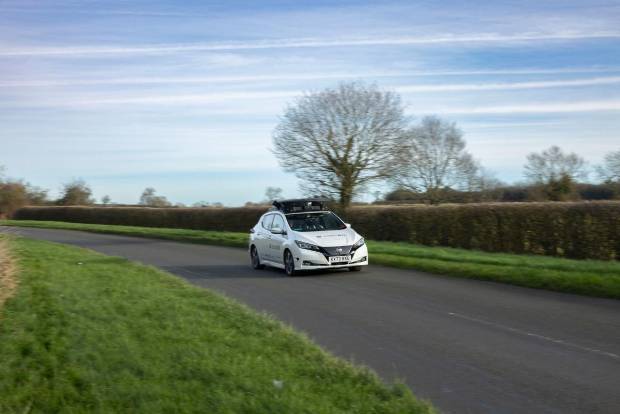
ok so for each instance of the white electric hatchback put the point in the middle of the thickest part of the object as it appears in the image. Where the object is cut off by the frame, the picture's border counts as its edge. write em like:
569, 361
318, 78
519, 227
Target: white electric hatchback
297, 235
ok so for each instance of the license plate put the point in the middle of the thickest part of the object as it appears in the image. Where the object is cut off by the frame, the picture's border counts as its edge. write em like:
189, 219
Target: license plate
339, 259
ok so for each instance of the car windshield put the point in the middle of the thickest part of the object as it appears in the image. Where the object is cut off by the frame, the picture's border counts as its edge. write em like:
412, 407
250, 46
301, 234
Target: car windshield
323, 221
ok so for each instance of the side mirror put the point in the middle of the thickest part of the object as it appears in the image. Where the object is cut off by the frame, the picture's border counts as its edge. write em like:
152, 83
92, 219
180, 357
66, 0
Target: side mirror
278, 231
348, 225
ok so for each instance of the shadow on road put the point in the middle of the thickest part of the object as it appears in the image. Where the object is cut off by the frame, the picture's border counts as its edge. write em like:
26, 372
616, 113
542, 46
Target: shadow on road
242, 271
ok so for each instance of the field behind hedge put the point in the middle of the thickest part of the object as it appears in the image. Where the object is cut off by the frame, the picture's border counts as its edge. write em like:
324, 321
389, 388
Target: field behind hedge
579, 230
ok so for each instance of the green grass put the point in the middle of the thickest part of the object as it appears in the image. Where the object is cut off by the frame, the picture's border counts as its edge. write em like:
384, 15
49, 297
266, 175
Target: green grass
220, 238
88, 333
585, 277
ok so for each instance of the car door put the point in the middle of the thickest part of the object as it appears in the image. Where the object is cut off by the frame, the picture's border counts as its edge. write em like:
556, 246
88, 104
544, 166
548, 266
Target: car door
263, 234
277, 239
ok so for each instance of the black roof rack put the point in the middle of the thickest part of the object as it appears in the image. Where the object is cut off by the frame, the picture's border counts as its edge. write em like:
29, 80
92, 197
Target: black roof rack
299, 205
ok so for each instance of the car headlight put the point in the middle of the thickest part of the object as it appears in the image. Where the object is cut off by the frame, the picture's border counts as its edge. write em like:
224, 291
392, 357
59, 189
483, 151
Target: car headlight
307, 246
359, 243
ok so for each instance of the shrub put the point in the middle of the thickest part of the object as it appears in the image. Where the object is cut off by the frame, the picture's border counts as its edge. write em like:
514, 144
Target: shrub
580, 230
13, 195
605, 191
76, 193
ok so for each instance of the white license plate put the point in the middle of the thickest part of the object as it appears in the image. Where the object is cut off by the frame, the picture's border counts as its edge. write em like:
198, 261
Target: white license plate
339, 259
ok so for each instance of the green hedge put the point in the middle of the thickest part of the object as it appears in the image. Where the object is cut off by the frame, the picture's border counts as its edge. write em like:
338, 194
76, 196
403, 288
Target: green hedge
221, 219
580, 230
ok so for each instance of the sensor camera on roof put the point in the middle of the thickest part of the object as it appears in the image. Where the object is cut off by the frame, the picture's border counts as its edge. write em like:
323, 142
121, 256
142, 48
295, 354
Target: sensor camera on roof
299, 205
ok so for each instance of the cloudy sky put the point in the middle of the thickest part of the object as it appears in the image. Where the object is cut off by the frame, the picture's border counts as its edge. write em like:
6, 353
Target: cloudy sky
183, 96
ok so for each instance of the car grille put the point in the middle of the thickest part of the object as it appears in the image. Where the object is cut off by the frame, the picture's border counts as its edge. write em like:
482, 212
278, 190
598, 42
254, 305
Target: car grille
337, 251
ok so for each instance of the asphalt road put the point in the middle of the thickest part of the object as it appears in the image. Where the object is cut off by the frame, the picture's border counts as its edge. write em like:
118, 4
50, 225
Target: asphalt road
468, 346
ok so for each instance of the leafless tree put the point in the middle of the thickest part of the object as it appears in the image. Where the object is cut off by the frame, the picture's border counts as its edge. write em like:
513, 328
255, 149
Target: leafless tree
273, 193
36, 195
553, 165
610, 170
339, 140
151, 199
485, 180
435, 160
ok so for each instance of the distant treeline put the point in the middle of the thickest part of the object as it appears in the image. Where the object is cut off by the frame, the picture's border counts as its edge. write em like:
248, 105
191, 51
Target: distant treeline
580, 230
513, 193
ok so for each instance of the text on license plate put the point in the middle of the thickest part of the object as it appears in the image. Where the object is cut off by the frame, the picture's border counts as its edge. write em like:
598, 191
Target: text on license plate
339, 259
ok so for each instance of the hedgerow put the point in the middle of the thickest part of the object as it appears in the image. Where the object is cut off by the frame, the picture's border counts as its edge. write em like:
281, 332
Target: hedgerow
580, 230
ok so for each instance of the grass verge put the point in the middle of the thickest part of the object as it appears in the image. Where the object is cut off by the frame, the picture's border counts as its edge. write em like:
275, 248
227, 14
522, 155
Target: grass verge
219, 238
585, 277
92, 333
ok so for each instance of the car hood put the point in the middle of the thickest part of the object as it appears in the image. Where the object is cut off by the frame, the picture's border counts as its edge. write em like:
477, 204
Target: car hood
329, 238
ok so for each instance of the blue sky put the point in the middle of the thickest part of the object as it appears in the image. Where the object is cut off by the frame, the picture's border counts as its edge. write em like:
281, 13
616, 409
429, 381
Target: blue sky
184, 96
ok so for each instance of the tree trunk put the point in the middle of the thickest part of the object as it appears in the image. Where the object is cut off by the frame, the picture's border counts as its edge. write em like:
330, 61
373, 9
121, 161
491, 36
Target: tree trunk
346, 193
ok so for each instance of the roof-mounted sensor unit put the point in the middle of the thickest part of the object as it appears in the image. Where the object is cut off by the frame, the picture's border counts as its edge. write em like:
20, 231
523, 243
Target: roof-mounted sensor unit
299, 205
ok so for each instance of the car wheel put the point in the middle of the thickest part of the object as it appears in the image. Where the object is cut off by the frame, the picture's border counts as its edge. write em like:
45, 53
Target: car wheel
289, 264
355, 268
255, 259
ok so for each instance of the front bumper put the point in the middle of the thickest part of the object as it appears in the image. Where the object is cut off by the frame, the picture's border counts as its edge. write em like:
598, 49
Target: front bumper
312, 260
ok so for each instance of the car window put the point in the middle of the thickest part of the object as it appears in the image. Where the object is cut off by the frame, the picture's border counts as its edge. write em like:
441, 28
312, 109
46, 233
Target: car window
267, 220
315, 222
278, 223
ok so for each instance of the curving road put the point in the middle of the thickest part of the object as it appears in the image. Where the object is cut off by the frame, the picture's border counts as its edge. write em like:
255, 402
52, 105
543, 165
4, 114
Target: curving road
468, 346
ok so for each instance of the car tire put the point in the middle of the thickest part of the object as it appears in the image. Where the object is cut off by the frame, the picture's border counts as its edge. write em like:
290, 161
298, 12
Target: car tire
255, 260
355, 268
289, 264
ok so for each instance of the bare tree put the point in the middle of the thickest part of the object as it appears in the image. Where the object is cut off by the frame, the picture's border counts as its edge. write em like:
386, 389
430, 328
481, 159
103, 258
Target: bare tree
151, 199
435, 160
610, 170
76, 193
485, 180
339, 140
554, 174
36, 195
105, 200
273, 193
552, 165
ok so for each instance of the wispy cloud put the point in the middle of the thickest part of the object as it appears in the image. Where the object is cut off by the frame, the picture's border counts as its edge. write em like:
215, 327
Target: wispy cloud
169, 80
504, 125
78, 76
510, 85
537, 108
271, 102
184, 99
304, 43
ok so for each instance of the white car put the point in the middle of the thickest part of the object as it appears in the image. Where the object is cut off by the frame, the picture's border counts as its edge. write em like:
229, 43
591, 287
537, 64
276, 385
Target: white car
298, 235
